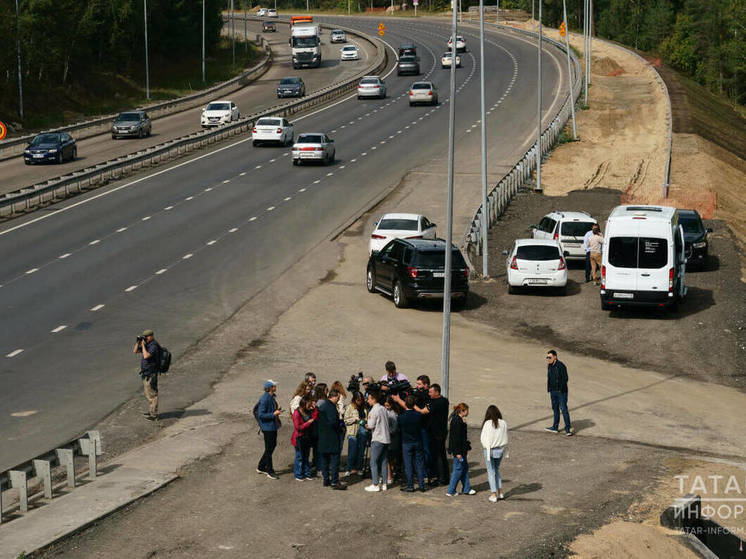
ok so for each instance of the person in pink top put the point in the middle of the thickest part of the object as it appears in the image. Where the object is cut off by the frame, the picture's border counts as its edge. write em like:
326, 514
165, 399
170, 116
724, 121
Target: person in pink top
303, 418
391, 374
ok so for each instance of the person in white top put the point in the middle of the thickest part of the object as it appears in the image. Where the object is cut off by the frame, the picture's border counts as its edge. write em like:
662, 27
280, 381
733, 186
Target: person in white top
378, 425
494, 440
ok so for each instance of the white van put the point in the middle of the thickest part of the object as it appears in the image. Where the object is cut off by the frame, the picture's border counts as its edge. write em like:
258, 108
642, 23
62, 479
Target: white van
643, 258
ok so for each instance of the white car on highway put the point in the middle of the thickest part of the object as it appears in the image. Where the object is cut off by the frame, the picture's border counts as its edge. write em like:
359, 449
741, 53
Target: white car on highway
445, 61
313, 146
262, 12
219, 112
460, 43
400, 226
349, 52
338, 36
275, 130
272, 13
535, 263
371, 86
423, 92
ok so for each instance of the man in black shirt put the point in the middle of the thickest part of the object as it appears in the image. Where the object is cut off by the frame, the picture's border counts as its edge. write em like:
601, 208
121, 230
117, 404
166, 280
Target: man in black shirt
557, 388
437, 433
149, 365
410, 427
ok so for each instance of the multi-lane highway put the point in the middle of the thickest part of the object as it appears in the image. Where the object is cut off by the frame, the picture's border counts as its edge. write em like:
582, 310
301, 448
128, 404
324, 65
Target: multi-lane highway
181, 248
257, 96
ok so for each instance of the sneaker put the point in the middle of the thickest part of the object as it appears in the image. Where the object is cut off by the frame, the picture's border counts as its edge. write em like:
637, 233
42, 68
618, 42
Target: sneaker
568, 433
383, 487
272, 475
390, 482
501, 497
551, 429
422, 490
151, 417
339, 486
450, 494
372, 487
347, 474
258, 471
300, 479
493, 499
470, 492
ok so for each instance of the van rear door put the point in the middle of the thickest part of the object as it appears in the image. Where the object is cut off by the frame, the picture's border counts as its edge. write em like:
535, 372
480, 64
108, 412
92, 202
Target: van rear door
653, 264
621, 268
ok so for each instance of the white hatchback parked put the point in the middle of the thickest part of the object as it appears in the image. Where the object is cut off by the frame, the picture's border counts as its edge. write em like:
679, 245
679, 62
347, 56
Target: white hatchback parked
272, 130
400, 226
535, 263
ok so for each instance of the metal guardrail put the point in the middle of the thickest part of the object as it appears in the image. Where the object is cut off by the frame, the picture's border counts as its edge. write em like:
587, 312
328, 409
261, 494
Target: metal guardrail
500, 196
89, 445
12, 147
61, 187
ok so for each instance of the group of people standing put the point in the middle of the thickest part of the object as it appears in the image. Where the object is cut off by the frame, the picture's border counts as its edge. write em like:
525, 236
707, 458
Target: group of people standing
403, 430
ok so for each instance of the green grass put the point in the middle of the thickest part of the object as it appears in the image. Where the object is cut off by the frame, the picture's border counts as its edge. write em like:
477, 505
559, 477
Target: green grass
108, 92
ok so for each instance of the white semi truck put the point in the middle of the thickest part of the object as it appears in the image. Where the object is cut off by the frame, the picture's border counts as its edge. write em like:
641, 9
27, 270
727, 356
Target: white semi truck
306, 44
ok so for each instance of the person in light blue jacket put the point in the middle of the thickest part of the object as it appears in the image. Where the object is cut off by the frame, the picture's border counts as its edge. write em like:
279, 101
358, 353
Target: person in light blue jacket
268, 416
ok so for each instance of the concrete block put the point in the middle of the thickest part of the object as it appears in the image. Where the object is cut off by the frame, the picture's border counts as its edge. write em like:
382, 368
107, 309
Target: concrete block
88, 448
65, 457
43, 469
18, 481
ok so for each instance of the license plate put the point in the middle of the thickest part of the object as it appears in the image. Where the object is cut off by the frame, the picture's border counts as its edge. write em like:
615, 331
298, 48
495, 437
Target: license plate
537, 282
38, 156
307, 155
439, 274
623, 296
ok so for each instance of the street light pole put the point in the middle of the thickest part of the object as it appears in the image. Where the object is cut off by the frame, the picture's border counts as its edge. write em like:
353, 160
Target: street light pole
485, 209
203, 41
147, 69
245, 32
497, 13
445, 359
569, 70
585, 52
18, 54
538, 127
233, 34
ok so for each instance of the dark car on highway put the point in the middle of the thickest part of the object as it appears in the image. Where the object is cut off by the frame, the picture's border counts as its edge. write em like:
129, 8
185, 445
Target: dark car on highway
50, 146
411, 269
269, 27
407, 49
291, 87
408, 64
696, 244
132, 124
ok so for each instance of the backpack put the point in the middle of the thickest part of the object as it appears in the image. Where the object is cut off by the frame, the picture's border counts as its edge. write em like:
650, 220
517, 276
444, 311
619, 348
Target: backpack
164, 360
255, 411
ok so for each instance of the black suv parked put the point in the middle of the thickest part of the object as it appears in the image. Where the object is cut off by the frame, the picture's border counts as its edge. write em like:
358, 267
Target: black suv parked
409, 269
695, 238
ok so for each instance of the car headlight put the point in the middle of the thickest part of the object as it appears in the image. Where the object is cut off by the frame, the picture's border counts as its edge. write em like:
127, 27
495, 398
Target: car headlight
53, 150
700, 245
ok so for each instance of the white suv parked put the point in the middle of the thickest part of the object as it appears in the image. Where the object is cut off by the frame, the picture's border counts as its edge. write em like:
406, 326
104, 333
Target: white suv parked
568, 229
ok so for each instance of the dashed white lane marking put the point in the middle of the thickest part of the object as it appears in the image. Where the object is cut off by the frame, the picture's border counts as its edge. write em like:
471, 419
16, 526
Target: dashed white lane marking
381, 142
391, 136
343, 126
187, 256
161, 271
352, 122
130, 288
60, 328
364, 153
189, 198
252, 218
147, 217
121, 229
287, 198
168, 208
342, 166
353, 160
301, 190
32, 270
398, 131
63, 256
25, 413
285, 154
226, 181
329, 174
14, 353
97, 308
333, 131
94, 242
258, 167
272, 160
406, 127
233, 230
317, 181
210, 243
242, 174
208, 189
270, 208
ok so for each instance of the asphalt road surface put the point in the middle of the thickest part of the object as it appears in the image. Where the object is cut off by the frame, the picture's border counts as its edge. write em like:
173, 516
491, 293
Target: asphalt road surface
256, 96
180, 249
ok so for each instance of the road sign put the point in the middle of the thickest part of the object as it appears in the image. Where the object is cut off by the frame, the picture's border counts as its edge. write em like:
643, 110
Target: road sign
562, 29
3, 130
381, 29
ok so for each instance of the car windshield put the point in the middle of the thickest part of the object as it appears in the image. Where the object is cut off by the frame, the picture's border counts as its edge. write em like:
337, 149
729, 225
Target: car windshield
310, 139
576, 228
305, 42
128, 117
349, 48
369, 81
398, 224
537, 252
447, 55
269, 122
338, 32
289, 81
437, 259
45, 139
421, 86
218, 107
691, 225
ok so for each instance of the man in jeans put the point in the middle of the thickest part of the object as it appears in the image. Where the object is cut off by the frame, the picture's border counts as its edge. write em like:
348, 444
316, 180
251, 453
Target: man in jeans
149, 368
557, 388
268, 415
380, 439
437, 433
410, 427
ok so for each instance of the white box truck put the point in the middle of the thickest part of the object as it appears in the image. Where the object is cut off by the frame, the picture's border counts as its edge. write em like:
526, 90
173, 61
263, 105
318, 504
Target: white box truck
643, 258
306, 45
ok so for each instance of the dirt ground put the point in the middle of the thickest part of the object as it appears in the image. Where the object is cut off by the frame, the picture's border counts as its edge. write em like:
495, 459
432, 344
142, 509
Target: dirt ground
705, 339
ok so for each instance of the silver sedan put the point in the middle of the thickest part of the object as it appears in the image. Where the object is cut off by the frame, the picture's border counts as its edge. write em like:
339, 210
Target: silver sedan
313, 146
423, 92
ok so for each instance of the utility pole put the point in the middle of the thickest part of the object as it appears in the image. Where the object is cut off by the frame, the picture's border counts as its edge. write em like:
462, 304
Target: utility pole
203, 41
569, 69
147, 69
585, 51
18, 54
233, 34
445, 359
590, 39
485, 208
497, 13
538, 127
245, 33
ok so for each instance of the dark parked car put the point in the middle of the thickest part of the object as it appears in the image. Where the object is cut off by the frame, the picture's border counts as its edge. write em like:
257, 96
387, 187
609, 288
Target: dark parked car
269, 27
291, 87
133, 124
52, 146
409, 269
696, 243
408, 64
407, 49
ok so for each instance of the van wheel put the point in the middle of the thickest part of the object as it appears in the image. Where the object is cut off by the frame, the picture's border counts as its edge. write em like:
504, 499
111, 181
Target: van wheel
511, 290
562, 291
370, 281
400, 300
605, 306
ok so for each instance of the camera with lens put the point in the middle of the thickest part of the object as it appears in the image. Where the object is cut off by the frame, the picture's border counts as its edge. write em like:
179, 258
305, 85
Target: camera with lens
400, 387
140, 339
355, 382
